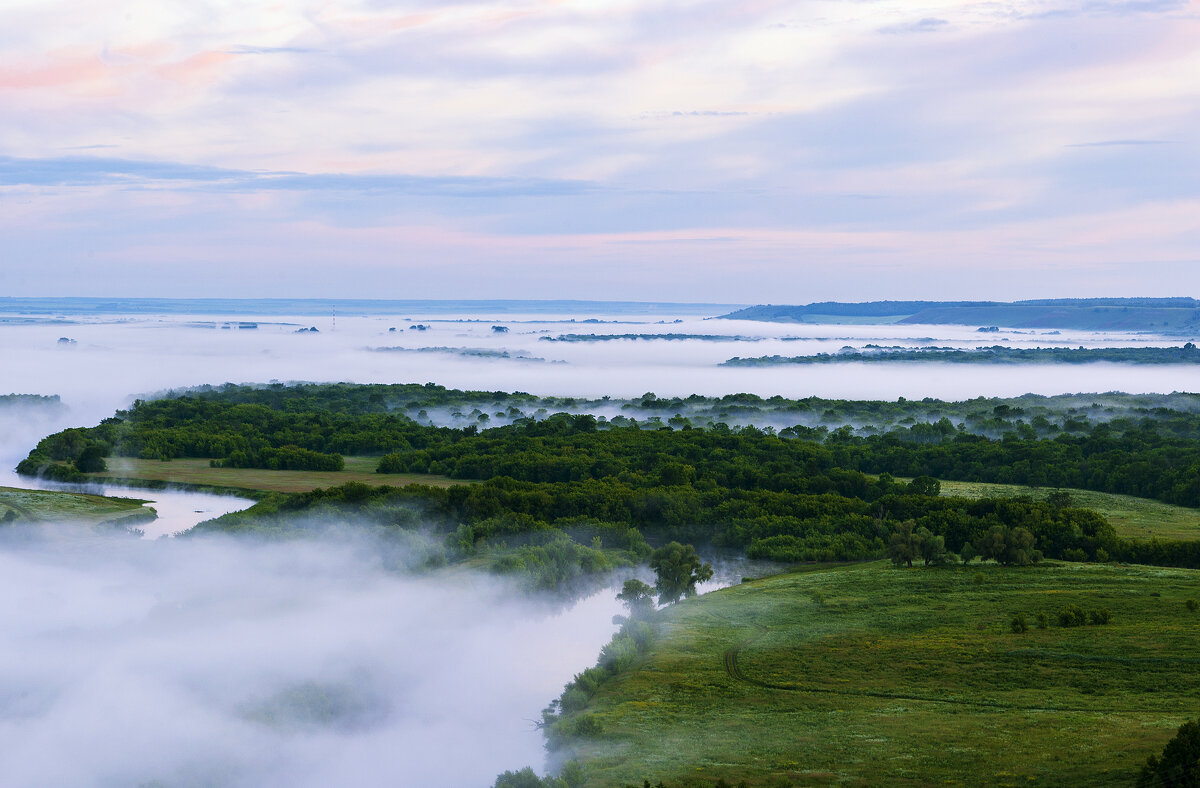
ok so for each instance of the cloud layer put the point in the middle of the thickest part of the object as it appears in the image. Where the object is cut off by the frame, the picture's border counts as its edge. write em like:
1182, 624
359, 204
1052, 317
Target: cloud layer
706, 151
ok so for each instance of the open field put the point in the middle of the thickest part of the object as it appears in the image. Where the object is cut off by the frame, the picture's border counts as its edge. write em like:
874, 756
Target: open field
869, 675
197, 471
51, 506
1133, 518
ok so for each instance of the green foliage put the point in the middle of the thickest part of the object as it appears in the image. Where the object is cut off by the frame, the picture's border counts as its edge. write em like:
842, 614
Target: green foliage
907, 545
637, 597
1179, 764
678, 569
894, 676
925, 485
564, 718
1072, 615
527, 778
802, 495
91, 459
391, 463
1008, 546
1192, 605
1019, 624
284, 458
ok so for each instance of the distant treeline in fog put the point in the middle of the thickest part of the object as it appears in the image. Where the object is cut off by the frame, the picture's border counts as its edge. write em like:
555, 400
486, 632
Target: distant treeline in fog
996, 354
39, 401
1093, 314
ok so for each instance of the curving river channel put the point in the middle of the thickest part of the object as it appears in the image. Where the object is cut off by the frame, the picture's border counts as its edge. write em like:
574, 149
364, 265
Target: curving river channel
178, 509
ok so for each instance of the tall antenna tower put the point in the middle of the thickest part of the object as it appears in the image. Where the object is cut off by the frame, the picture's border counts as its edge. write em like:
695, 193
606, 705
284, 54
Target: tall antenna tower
334, 326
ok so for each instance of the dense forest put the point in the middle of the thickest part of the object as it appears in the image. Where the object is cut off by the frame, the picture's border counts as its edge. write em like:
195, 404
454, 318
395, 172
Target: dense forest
798, 494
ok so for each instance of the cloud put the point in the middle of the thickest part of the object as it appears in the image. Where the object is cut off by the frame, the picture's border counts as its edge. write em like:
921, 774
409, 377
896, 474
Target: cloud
88, 171
926, 25
243, 49
539, 119
1117, 143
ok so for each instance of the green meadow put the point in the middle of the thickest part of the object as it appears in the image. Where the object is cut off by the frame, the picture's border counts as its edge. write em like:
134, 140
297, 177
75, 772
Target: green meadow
1132, 518
869, 675
54, 506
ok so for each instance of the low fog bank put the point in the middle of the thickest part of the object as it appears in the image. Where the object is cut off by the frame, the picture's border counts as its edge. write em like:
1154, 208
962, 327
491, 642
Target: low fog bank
108, 361
212, 661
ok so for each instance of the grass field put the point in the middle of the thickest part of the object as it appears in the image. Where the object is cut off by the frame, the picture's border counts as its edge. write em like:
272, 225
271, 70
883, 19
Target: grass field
197, 471
50, 506
1133, 518
869, 675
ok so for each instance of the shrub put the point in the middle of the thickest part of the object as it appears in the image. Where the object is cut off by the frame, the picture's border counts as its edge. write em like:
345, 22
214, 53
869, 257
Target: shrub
573, 700
1019, 624
587, 726
1072, 616
1043, 620
1192, 605
1099, 617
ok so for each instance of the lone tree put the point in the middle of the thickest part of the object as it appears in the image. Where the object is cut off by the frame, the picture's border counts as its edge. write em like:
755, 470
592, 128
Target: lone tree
904, 545
637, 597
678, 570
1179, 765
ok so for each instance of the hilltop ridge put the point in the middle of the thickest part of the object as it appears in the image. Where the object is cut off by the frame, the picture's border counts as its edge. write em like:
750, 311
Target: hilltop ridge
1169, 315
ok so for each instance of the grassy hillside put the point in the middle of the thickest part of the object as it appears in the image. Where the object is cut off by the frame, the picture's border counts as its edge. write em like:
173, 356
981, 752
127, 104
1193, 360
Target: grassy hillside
869, 675
194, 471
1132, 518
53, 506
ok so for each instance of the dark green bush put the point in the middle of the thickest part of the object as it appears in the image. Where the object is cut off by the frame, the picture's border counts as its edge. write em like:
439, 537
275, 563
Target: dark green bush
1072, 616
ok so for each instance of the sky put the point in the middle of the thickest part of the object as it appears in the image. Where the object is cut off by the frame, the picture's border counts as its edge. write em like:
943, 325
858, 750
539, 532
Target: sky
734, 152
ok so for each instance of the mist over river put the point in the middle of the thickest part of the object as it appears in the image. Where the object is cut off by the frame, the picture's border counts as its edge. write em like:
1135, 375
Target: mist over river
219, 661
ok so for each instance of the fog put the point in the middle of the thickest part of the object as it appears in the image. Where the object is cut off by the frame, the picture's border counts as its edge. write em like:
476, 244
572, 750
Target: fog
224, 662
213, 661
114, 358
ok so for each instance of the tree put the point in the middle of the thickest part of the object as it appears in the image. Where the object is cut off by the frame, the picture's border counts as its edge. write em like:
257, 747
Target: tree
1179, 766
91, 459
678, 569
1018, 548
930, 547
1008, 546
904, 544
925, 485
1060, 499
637, 597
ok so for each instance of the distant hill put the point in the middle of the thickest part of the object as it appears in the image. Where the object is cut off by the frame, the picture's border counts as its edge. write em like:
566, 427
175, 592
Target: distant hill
1171, 315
